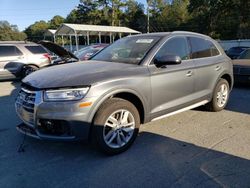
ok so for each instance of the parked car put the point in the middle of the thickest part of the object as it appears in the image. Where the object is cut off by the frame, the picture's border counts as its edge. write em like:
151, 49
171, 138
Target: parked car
61, 55
135, 80
18, 59
87, 52
234, 52
242, 67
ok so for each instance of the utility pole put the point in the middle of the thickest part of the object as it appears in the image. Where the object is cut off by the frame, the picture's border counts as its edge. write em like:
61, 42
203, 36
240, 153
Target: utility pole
148, 16
113, 13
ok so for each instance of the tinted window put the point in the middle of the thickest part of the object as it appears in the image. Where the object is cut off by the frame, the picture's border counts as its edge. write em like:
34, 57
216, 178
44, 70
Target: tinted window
9, 51
176, 46
36, 49
202, 48
245, 54
237, 49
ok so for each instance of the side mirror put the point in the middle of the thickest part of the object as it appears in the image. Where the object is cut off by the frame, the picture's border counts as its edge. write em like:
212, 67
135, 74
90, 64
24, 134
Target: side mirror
167, 60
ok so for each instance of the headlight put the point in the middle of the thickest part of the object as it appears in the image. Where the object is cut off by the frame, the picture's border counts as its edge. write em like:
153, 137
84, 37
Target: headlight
65, 94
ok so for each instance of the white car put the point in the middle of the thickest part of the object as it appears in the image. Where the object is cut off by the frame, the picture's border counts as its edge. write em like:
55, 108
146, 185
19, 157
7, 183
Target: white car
19, 58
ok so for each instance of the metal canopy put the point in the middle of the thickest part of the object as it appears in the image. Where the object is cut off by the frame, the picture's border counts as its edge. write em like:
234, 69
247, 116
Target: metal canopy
50, 32
77, 30
81, 29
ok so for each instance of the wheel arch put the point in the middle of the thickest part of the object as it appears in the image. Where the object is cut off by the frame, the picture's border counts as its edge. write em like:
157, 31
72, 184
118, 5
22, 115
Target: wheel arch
229, 79
129, 95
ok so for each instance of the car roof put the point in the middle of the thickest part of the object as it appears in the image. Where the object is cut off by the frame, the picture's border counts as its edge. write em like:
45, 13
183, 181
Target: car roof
163, 34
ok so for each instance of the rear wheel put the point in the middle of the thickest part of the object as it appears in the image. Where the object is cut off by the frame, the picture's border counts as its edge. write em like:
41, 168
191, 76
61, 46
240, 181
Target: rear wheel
220, 96
28, 70
116, 126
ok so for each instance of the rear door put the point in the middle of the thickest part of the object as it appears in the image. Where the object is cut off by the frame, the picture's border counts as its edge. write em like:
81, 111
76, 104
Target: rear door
173, 85
37, 55
10, 57
208, 65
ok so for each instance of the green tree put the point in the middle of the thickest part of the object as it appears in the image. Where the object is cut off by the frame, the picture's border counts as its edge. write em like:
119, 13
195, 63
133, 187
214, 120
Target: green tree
36, 31
72, 17
55, 22
10, 32
134, 16
101, 12
224, 19
168, 15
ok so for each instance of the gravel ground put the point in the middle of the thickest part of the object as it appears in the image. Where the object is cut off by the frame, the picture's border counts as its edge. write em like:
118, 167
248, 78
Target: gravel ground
192, 149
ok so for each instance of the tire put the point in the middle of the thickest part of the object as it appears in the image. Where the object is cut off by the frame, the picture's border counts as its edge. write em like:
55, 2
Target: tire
111, 133
28, 70
220, 96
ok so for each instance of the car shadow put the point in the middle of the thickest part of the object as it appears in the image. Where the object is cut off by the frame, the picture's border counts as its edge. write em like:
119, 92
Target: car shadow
153, 161
239, 99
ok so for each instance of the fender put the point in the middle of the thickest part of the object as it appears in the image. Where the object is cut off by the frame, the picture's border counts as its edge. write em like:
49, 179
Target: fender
112, 92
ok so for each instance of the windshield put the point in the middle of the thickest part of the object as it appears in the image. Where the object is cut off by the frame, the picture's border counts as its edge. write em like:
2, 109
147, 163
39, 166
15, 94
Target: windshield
127, 50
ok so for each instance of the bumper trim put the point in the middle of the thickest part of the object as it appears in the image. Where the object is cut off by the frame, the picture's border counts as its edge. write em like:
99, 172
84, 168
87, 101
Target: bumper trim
24, 129
29, 131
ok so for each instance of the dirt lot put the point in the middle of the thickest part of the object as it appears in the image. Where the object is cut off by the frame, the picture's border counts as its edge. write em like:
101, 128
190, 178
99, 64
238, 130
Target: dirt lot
192, 149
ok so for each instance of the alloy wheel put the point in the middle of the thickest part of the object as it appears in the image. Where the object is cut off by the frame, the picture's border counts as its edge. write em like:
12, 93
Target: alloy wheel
119, 128
222, 95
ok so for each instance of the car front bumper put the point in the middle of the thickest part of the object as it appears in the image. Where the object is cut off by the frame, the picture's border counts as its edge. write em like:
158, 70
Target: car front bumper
52, 120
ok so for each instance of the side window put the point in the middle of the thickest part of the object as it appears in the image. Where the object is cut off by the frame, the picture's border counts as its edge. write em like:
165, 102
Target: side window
213, 49
9, 51
175, 46
202, 48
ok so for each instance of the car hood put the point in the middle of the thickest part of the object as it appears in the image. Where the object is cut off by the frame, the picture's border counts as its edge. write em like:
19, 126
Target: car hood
241, 62
56, 49
81, 74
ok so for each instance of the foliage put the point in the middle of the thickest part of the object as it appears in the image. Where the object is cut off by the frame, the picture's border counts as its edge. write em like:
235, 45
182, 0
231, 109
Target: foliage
221, 19
36, 31
10, 32
55, 22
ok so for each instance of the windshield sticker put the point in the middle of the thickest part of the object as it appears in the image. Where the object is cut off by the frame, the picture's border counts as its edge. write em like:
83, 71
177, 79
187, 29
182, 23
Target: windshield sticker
148, 41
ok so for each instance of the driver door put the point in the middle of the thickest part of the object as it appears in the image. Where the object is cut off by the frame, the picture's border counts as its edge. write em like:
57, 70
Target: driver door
172, 85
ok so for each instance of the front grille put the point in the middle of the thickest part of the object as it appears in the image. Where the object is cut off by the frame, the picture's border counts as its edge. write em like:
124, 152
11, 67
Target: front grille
25, 104
26, 99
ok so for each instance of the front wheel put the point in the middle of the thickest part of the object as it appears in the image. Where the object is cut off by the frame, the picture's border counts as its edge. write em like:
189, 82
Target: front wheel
220, 96
116, 126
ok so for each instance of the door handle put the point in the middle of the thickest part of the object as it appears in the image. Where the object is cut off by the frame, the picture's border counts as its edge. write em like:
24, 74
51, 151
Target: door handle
189, 73
217, 68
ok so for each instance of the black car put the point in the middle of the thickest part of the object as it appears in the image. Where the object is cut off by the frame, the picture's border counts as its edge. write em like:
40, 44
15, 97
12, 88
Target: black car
234, 52
242, 67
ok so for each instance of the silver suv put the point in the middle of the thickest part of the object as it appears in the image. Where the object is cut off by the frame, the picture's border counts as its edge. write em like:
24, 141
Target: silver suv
21, 58
135, 80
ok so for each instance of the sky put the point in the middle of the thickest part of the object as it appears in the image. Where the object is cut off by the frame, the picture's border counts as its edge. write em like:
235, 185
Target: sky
25, 12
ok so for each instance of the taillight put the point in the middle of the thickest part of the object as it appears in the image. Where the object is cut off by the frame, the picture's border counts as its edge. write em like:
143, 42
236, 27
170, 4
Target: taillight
47, 56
